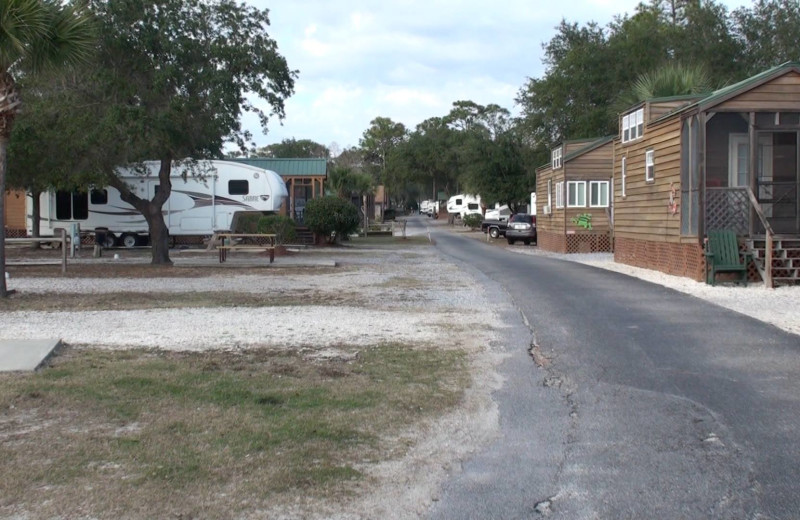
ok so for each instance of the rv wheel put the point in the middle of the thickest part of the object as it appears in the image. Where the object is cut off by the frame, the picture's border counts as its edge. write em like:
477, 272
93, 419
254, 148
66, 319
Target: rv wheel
109, 241
129, 240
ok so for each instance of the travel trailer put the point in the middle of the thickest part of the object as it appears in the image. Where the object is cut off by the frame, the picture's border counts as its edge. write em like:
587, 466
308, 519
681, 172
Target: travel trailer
463, 205
498, 212
196, 206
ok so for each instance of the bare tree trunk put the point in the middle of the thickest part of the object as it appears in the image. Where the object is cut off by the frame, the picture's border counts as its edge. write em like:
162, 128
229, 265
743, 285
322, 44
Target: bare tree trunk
3, 167
36, 217
152, 211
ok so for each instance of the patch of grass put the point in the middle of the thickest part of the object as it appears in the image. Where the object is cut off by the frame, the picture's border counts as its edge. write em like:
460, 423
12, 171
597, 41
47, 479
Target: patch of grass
214, 434
151, 300
388, 241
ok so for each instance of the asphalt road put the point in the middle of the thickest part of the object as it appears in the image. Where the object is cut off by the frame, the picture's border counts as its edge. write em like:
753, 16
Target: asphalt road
651, 403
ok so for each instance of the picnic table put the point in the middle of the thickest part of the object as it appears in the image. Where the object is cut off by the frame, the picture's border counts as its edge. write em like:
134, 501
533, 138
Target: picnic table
228, 242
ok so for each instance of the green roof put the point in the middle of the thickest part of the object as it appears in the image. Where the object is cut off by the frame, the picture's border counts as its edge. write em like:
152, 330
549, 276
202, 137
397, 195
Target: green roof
725, 93
288, 167
597, 143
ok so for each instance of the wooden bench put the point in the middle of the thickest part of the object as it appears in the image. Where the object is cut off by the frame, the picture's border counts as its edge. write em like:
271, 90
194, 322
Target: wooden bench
229, 242
722, 256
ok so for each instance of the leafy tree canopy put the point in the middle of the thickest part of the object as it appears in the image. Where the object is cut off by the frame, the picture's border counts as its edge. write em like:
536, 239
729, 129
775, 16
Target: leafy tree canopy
293, 149
172, 78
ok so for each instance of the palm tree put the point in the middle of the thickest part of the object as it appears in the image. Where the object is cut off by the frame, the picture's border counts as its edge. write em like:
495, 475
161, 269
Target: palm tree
672, 79
34, 35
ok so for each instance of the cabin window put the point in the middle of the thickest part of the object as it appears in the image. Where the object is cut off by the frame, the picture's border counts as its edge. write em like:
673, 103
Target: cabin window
549, 193
650, 165
632, 125
72, 205
556, 156
624, 177
598, 194
560, 194
98, 197
576, 194
238, 187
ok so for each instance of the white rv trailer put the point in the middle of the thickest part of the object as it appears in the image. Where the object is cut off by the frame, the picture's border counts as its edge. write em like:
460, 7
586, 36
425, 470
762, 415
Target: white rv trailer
196, 206
464, 204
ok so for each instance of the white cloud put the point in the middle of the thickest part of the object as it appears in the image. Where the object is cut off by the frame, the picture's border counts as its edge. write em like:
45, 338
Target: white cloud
409, 59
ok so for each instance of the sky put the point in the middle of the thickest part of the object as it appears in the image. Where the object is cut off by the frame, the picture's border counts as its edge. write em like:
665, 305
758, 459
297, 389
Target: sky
409, 60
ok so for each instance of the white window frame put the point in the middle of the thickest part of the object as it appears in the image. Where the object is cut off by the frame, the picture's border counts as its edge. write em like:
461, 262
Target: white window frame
560, 194
650, 165
632, 125
593, 185
624, 178
550, 193
556, 157
579, 194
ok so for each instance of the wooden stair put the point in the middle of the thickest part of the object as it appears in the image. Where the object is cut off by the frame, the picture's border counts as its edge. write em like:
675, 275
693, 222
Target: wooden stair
303, 236
785, 258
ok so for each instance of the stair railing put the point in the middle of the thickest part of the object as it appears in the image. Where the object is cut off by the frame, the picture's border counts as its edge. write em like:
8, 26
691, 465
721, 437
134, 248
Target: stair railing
770, 235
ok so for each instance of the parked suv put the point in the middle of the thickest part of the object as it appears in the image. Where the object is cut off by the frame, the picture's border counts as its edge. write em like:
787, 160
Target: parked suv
521, 226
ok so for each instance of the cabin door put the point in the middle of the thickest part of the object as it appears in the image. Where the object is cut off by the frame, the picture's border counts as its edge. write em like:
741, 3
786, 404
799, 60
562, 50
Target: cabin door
777, 181
777, 186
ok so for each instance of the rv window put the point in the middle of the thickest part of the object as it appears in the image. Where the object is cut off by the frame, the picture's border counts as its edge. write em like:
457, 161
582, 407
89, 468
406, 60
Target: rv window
238, 188
472, 205
459, 202
80, 206
63, 205
99, 197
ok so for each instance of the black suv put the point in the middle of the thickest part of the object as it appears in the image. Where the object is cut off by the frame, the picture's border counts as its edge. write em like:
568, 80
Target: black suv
521, 226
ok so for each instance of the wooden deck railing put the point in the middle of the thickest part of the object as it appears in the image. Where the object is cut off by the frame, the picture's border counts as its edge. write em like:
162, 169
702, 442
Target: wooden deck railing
770, 236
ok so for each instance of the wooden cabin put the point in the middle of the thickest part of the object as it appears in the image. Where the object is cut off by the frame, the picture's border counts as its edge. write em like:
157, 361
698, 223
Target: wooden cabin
14, 214
573, 203
684, 167
305, 180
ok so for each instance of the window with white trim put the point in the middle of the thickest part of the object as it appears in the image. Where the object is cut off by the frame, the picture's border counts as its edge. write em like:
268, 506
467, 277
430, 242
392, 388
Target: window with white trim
576, 194
650, 165
556, 156
549, 193
624, 177
632, 125
560, 194
598, 194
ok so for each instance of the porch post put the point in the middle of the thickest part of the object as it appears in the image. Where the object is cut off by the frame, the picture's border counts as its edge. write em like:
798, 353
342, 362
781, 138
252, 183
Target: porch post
701, 196
753, 162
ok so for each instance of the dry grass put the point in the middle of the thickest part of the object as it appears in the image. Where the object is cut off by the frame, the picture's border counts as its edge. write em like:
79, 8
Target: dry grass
155, 300
149, 434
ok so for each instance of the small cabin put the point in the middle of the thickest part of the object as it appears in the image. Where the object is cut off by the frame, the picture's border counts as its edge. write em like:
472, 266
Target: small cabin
305, 180
573, 206
14, 214
729, 160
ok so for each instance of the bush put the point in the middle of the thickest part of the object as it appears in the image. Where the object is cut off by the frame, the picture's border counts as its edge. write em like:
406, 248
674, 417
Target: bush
282, 227
473, 221
246, 222
328, 215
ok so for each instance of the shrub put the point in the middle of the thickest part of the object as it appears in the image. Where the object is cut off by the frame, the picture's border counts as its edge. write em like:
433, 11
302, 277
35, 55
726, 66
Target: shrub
330, 215
245, 222
282, 227
473, 221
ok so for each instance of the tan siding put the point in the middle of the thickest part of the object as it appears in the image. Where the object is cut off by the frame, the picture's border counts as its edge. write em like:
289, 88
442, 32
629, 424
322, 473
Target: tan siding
15, 210
779, 94
644, 213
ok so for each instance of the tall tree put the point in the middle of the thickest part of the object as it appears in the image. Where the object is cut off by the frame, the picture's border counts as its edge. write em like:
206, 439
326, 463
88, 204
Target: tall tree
377, 142
770, 31
34, 35
293, 149
174, 75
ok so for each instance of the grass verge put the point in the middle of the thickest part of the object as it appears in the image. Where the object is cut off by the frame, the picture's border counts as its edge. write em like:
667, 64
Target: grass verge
149, 434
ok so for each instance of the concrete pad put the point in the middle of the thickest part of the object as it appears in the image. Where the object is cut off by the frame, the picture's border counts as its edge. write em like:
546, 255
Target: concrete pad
25, 354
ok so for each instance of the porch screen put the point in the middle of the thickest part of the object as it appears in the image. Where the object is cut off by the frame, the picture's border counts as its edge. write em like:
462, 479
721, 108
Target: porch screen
690, 176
